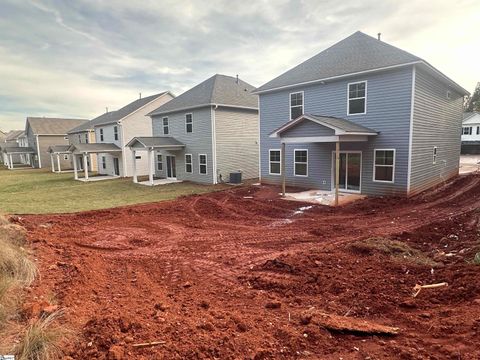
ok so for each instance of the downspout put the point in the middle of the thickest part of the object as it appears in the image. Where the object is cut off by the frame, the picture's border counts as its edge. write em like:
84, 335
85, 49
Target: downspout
38, 153
124, 158
214, 145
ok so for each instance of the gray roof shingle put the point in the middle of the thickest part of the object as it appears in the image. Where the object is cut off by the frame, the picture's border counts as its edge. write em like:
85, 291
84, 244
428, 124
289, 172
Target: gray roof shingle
468, 115
17, 150
218, 89
59, 149
14, 134
156, 141
94, 148
90, 124
53, 126
356, 53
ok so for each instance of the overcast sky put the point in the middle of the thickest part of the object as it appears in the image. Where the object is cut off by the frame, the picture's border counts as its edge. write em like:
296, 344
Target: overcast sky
74, 58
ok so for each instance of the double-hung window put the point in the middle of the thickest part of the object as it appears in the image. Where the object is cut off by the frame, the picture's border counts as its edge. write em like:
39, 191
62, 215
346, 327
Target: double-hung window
434, 155
159, 162
357, 98
86, 138
296, 105
101, 134
478, 130
301, 162
115, 132
274, 162
188, 163
384, 165
104, 162
202, 164
467, 130
166, 130
188, 123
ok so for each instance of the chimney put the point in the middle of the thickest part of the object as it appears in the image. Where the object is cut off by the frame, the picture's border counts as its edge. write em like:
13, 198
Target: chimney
379, 36
140, 94
237, 79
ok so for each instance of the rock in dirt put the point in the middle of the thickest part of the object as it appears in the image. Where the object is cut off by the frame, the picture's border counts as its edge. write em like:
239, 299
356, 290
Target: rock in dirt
273, 305
116, 353
351, 325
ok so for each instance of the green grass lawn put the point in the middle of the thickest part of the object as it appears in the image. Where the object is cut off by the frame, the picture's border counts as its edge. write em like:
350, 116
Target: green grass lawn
35, 191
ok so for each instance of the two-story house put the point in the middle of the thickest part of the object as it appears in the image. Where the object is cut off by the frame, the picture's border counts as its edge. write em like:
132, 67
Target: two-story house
471, 133
388, 121
204, 134
111, 132
13, 149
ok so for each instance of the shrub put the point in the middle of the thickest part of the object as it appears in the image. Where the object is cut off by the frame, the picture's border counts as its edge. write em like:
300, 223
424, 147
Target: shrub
15, 264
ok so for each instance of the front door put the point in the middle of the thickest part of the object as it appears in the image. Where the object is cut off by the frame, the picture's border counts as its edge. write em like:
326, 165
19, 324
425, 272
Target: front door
350, 171
116, 166
171, 169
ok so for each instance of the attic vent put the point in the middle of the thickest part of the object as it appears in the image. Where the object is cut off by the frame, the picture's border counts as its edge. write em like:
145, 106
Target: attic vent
449, 95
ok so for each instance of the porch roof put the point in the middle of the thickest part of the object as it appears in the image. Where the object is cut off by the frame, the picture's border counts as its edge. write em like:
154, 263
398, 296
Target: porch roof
59, 149
339, 130
18, 150
94, 148
156, 142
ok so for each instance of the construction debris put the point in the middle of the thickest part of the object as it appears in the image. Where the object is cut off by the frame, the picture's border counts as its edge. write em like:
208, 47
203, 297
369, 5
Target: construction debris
152, 343
417, 288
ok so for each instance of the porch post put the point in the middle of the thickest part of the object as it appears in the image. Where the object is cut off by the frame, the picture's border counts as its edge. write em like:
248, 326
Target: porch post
52, 162
7, 161
11, 161
134, 159
337, 171
58, 163
85, 166
75, 166
282, 161
150, 167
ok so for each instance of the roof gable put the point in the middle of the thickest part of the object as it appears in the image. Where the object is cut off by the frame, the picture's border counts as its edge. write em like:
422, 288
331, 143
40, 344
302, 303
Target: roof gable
216, 90
471, 118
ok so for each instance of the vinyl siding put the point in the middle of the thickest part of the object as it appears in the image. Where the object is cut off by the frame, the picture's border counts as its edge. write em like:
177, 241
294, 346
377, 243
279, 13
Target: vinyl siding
437, 121
45, 141
109, 138
197, 142
388, 112
236, 142
308, 128
74, 139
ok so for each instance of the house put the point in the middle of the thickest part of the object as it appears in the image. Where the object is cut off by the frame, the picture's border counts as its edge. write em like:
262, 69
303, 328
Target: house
471, 133
103, 139
15, 151
204, 134
361, 116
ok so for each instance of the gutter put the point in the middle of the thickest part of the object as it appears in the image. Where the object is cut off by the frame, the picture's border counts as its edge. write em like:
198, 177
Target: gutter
200, 106
38, 153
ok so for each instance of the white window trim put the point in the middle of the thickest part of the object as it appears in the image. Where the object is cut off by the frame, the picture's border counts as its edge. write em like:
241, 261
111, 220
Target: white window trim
166, 126
104, 162
393, 170
270, 162
159, 162
186, 132
295, 163
101, 134
200, 164
434, 155
290, 102
348, 97
191, 164
115, 133
332, 170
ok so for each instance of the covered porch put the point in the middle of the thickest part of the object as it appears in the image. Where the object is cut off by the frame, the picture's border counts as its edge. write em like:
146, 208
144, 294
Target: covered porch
311, 129
81, 154
56, 151
9, 152
150, 145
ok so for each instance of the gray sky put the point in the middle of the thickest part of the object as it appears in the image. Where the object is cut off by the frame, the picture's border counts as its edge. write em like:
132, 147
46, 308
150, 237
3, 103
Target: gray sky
74, 58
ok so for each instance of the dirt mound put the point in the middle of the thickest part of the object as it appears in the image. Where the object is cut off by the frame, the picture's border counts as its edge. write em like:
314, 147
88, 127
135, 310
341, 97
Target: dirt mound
229, 274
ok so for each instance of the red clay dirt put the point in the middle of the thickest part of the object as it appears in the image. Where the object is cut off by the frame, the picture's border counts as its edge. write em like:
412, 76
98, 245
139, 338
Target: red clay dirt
230, 275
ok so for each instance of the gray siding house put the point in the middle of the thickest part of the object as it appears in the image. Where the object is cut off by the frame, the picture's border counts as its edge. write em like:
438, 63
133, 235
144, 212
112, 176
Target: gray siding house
394, 119
204, 134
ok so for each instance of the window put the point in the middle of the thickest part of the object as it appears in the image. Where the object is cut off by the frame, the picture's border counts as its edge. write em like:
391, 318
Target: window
65, 157
467, 130
101, 134
478, 130
159, 162
86, 138
115, 132
79, 139
188, 123
274, 159
296, 104
357, 98
165, 126
301, 162
384, 168
188, 163
434, 155
138, 157
202, 164
104, 162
